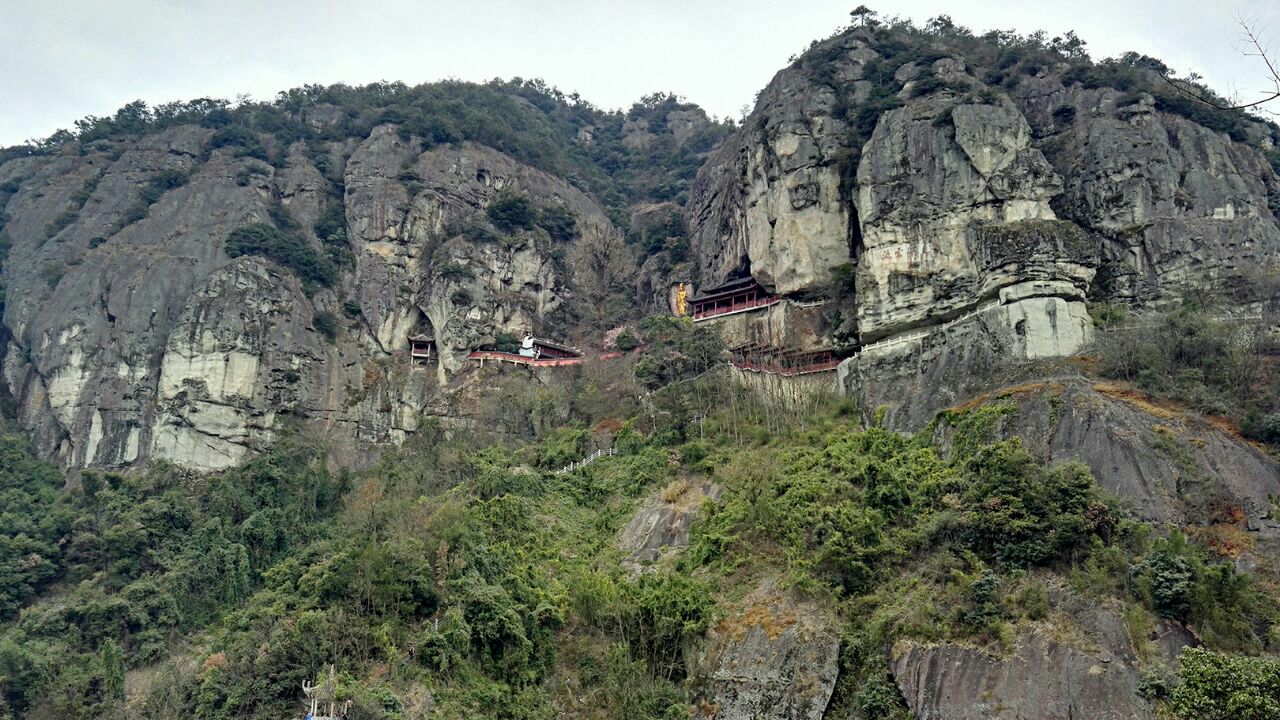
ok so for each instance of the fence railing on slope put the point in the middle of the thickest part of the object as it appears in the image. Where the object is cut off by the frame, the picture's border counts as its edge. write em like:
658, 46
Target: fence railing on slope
603, 452
926, 332
811, 303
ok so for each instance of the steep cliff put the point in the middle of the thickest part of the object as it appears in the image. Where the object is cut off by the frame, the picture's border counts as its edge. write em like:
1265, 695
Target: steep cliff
922, 179
978, 526
136, 331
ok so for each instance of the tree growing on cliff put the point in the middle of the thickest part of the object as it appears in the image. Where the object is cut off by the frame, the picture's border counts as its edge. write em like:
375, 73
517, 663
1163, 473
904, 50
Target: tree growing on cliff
1221, 687
602, 271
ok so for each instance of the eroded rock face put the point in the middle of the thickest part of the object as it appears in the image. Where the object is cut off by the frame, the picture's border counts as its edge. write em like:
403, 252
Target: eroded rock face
770, 199
1035, 195
913, 375
1168, 466
1175, 204
244, 350
1078, 664
662, 523
1043, 679
419, 270
140, 338
774, 658
950, 215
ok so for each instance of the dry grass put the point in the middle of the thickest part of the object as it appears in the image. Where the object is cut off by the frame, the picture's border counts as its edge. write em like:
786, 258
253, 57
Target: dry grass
1024, 389
609, 425
1227, 540
770, 612
1156, 407
1172, 410
676, 490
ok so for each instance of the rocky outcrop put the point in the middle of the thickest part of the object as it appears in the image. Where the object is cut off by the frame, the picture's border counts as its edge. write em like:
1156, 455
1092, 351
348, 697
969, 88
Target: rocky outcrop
1078, 663
1169, 466
135, 336
773, 658
426, 261
985, 214
910, 376
1175, 204
1042, 679
770, 201
661, 525
954, 206
244, 350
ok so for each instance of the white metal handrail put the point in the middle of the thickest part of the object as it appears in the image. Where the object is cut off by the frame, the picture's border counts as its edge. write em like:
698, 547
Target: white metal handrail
603, 452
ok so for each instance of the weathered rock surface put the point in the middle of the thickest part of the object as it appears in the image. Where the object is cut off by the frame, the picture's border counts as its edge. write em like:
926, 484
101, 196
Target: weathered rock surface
774, 658
1176, 205
1078, 663
1043, 679
1035, 197
1168, 466
661, 525
140, 338
769, 201
914, 374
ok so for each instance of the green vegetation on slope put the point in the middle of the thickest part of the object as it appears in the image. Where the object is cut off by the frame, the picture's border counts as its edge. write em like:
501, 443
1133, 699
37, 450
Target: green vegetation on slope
537, 124
467, 576
1198, 354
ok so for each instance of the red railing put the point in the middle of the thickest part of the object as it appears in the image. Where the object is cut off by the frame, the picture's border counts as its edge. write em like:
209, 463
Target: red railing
513, 358
775, 369
736, 308
493, 355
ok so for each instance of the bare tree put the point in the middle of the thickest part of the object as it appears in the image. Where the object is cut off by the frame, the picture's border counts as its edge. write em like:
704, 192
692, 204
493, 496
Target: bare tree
1254, 48
603, 270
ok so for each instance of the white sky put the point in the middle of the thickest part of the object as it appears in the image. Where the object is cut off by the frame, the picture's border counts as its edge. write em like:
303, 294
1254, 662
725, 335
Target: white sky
63, 59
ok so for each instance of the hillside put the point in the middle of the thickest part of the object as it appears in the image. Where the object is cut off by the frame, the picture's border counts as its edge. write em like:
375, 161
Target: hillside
973, 411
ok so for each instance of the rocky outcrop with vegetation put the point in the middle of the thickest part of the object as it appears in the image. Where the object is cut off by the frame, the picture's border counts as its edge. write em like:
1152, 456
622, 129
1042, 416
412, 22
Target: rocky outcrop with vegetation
1041, 483
277, 257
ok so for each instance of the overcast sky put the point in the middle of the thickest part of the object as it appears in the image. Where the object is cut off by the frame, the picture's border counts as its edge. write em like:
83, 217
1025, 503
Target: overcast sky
63, 59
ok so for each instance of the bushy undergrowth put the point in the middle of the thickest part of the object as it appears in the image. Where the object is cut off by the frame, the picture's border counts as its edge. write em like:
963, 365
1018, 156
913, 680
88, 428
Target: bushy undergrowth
471, 577
1199, 355
915, 543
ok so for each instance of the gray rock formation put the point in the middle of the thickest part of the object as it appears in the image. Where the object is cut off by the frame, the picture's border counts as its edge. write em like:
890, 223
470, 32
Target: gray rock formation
981, 218
774, 658
770, 199
661, 525
140, 338
1169, 466
1080, 663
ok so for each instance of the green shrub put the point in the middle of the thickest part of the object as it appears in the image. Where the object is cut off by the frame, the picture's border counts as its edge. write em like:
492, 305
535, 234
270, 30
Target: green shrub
506, 342
60, 223
246, 142
161, 183
289, 251
511, 212
626, 341
326, 323
454, 272
1225, 687
559, 222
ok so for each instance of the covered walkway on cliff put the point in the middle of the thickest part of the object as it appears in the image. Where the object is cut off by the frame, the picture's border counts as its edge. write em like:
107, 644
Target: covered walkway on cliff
533, 351
789, 362
730, 298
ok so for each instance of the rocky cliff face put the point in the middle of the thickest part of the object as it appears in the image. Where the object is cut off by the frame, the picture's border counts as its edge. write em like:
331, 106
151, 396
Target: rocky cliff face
136, 338
950, 195
961, 221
